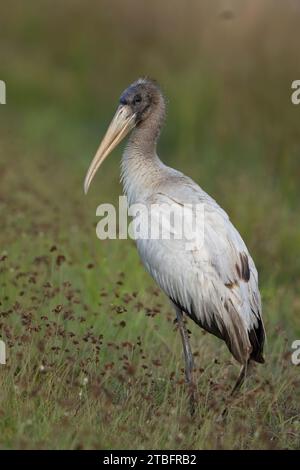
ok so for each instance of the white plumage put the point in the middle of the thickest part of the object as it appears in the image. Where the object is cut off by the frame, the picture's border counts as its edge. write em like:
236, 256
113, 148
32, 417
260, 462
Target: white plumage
207, 283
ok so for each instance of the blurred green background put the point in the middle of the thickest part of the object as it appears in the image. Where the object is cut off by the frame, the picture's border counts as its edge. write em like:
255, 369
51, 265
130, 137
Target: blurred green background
226, 68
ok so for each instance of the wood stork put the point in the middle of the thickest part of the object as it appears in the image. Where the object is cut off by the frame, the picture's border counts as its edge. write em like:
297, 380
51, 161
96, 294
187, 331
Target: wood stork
215, 285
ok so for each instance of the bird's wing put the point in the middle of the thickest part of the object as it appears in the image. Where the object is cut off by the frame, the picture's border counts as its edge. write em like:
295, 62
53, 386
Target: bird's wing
213, 280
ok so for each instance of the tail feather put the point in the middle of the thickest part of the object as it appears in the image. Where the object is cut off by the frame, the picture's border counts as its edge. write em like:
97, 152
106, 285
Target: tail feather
242, 344
257, 340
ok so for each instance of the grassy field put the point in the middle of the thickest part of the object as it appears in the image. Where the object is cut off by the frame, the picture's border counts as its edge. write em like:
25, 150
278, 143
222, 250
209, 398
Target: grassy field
93, 356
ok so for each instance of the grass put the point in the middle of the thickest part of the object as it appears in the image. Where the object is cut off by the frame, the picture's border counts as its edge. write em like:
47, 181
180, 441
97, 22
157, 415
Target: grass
94, 359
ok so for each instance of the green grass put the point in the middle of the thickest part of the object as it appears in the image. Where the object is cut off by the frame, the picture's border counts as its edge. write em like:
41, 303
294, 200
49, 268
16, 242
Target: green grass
94, 359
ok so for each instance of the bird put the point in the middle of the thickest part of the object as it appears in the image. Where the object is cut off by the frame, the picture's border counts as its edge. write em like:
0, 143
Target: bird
214, 283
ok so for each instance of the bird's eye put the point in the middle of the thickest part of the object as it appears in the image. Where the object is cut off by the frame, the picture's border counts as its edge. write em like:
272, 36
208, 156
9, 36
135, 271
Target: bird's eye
137, 99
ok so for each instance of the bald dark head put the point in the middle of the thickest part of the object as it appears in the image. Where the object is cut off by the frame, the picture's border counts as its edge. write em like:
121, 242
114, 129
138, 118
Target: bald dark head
144, 97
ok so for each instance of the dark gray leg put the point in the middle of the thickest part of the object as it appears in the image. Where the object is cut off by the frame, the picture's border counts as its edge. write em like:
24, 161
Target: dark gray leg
188, 357
240, 380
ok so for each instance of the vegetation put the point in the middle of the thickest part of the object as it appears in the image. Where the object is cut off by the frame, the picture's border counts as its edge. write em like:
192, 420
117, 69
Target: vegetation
94, 358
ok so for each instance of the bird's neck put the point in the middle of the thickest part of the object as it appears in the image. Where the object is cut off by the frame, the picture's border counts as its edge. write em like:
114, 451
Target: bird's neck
141, 167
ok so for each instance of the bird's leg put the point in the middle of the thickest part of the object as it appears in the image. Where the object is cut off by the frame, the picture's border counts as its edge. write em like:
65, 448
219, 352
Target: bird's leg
240, 380
188, 357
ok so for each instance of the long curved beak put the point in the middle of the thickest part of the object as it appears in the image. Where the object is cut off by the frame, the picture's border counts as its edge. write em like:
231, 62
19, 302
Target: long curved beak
122, 123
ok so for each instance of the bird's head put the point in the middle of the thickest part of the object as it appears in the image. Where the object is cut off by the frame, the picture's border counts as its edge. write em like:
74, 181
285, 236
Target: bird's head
137, 104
